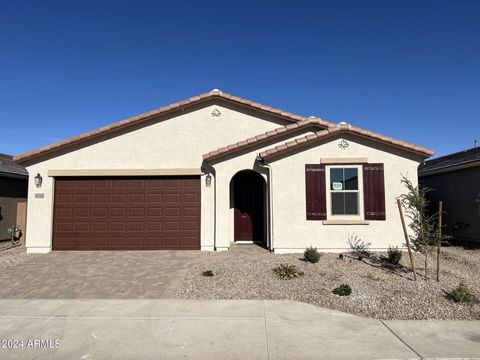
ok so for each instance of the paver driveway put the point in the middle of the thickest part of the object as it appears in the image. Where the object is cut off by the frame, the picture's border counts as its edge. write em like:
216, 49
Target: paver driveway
97, 274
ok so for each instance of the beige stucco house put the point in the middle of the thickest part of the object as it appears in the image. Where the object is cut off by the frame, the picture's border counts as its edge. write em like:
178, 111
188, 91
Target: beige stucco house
214, 169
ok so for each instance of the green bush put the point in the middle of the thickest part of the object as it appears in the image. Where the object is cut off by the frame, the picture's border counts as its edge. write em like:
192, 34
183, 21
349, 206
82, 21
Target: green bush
287, 271
343, 290
462, 294
207, 273
394, 256
311, 254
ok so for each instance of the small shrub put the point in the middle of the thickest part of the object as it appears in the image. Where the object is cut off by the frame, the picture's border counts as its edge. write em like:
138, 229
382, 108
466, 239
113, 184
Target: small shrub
462, 294
358, 246
394, 256
343, 290
287, 271
207, 273
311, 254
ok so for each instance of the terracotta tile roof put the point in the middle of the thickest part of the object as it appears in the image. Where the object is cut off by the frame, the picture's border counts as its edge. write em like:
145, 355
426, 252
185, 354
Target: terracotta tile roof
310, 123
343, 128
214, 94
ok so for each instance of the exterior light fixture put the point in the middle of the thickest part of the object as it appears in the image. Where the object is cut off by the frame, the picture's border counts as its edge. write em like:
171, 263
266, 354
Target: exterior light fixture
208, 180
38, 180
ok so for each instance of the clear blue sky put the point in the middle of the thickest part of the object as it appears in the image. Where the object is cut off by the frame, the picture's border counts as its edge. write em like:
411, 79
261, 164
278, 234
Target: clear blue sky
408, 69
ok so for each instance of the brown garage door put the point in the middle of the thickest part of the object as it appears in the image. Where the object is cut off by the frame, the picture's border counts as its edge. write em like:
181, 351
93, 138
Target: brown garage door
127, 213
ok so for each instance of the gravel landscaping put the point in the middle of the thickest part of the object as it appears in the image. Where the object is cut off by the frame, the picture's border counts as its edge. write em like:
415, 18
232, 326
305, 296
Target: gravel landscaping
245, 272
14, 256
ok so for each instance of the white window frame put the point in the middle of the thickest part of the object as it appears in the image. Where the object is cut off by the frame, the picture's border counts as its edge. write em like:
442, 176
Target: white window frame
331, 216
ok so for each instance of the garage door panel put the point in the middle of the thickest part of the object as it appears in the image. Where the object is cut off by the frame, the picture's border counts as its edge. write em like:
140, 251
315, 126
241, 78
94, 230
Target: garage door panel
64, 213
119, 183
83, 198
81, 227
118, 212
136, 212
100, 242
100, 227
63, 227
100, 199
117, 226
172, 242
118, 198
117, 242
155, 183
190, 211
100, 212
136, 198
81, 212
190, 198
154, 199
190, 183
190, 241
65, 199
147, 213
154, 226
136, 226
81, 242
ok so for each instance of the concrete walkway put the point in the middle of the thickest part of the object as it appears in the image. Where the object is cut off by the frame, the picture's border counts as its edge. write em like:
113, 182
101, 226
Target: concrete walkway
173, 329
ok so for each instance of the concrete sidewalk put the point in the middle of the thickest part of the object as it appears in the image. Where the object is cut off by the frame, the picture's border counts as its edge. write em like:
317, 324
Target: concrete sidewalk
173, 329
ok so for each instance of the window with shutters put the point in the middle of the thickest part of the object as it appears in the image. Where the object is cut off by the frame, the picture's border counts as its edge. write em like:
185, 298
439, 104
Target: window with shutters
345, 198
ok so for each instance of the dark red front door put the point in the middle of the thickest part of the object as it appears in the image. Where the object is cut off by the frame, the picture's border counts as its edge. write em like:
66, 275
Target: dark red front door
243, 225
248, 189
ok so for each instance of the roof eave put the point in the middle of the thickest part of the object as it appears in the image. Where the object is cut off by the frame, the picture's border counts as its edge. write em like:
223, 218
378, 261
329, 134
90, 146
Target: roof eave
166, 110
274, 153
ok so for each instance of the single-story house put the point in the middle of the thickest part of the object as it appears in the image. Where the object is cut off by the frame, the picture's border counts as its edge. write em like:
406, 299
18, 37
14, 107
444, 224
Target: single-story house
13, 196
214, 169
455, 180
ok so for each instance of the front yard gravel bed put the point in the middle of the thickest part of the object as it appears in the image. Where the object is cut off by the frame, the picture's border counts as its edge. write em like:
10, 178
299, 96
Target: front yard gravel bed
377, 292
14, 256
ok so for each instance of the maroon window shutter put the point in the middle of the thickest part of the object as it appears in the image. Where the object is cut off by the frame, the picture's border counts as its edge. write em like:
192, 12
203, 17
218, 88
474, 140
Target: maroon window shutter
315, 192
374, 191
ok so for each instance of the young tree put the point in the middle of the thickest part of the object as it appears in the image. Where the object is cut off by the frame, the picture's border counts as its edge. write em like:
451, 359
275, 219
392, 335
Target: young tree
425, 234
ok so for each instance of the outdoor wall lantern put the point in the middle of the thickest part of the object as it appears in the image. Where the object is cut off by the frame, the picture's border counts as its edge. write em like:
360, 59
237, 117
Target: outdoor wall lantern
38, 180
208, 180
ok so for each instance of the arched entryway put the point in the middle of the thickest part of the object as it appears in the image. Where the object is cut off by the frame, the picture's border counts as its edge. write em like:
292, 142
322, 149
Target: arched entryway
248, 190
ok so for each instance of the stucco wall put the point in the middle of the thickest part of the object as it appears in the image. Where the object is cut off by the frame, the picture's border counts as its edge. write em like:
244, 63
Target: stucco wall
176, 142
289, 230
462, 208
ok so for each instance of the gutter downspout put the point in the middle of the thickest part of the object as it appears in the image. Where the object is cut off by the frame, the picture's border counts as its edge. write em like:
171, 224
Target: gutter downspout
270, 198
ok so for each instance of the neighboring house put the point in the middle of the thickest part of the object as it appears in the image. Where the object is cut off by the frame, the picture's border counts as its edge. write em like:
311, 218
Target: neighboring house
455, 179
213, 169
13, 195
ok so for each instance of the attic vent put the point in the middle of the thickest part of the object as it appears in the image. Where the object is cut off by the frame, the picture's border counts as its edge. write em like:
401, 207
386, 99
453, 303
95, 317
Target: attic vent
216, 113
343, 123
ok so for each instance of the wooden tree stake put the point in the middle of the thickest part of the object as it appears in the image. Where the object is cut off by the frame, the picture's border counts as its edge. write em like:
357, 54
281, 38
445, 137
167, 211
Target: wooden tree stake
439, 245
406, 239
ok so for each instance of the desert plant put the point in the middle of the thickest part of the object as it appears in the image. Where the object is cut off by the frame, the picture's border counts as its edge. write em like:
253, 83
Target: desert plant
424, 226
207, 273
462, 294
393, 256
311, 254
358, 247
287, 271
342, 290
